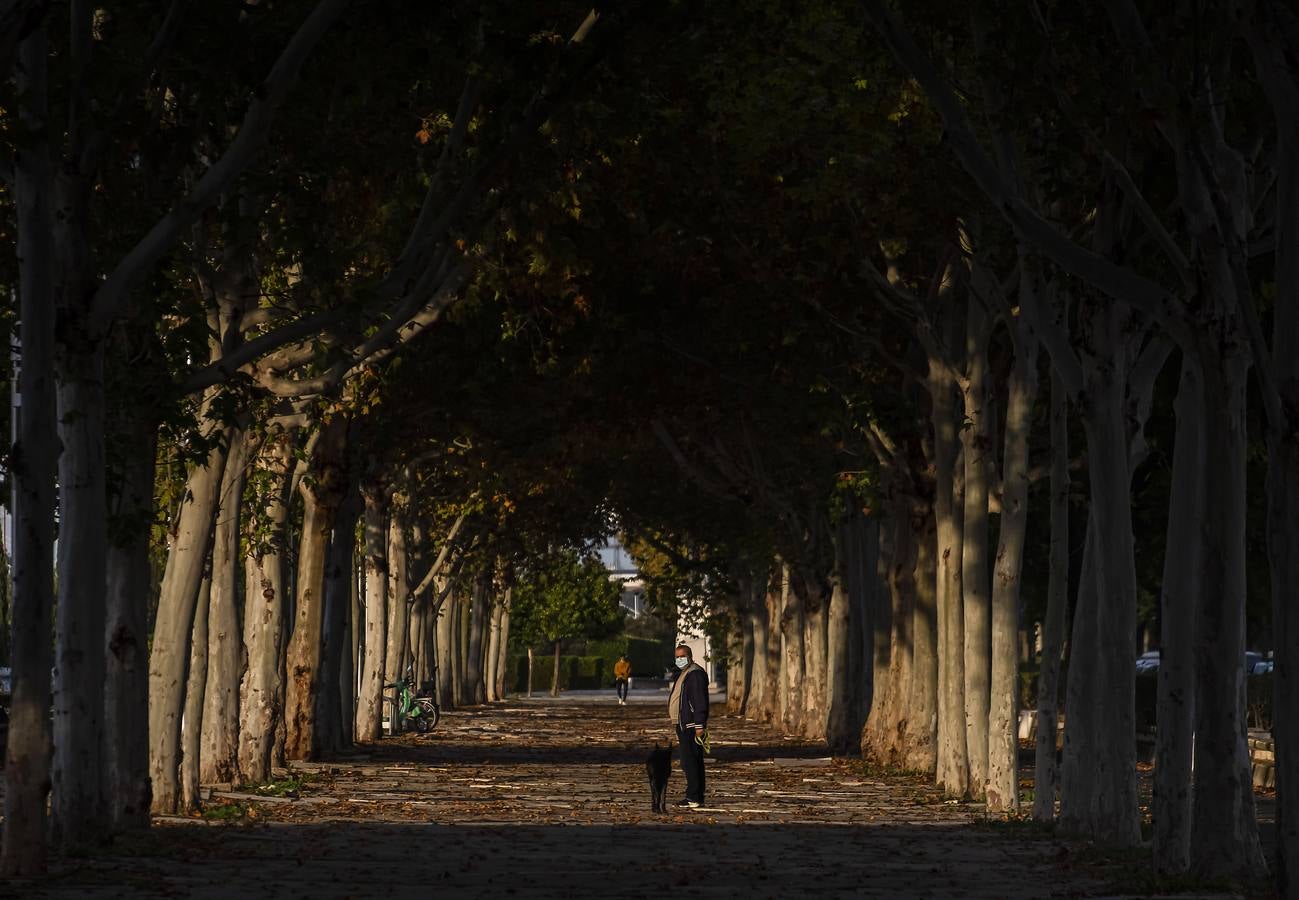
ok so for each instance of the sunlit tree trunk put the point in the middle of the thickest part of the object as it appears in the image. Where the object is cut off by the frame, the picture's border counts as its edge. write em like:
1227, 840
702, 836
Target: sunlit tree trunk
815, 602
261, 712
218, 751
794, 656
192, 726
1003, 735
398, 654
174, 625
369, 702
502, 662
321, 495
494, 649
953, 771
977, 446
886, 726
921, 748
759, 703
739, 645
446, 650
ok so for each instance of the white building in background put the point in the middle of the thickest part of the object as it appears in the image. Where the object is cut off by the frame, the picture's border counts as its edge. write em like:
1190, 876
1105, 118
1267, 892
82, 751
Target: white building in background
622, 568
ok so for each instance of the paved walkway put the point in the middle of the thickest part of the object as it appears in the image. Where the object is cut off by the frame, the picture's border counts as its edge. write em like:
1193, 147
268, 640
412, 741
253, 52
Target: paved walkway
543, 798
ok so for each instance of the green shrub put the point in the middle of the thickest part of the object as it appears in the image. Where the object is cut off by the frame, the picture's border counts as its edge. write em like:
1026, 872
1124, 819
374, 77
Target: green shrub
1258, 701
648, 656
576, 673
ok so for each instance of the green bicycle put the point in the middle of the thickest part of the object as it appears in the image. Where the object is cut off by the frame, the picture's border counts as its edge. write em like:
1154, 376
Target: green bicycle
420, 709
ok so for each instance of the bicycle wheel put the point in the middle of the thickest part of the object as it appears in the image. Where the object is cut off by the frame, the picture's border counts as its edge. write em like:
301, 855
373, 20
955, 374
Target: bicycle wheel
431, 714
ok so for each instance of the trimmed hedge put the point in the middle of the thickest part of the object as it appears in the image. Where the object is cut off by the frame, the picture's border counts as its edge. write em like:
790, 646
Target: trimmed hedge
648, 656
576, 673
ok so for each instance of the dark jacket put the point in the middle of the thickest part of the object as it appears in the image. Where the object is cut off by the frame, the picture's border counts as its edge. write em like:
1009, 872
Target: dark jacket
694, 698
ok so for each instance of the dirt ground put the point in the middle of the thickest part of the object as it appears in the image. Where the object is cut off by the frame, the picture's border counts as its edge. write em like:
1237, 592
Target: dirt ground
541, 798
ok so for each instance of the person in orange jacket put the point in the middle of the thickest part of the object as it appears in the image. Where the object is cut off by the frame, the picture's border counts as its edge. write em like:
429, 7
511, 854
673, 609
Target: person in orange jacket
622, 678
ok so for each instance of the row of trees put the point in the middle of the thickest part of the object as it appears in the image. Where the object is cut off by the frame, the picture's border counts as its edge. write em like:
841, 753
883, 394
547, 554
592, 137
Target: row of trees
769, 292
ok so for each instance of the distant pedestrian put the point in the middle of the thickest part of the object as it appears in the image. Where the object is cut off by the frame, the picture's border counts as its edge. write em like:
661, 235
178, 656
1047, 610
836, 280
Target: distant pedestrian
622, 678
688, 710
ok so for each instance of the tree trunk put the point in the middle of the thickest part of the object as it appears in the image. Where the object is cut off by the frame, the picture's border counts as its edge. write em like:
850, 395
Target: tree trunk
1224, 834
1274, 63
493, 652
921, 747
398, 653
446, 649
78, 803
554, 685
502, 663
530, 662
219, 741
863, 588
843, 731
481, 598
173, 628
464, 622
321, 495
369, 703
953, 767
261, 712
126, 682
1003, 735
196, 687
33, 468
1046, 772
794, 656
1098, 788
886, 727
334, 719
976, 444
759, 703
816, 604
1176, 705
739, 648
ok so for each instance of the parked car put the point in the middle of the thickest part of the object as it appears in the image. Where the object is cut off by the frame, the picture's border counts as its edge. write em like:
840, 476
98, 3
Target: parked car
1255, 663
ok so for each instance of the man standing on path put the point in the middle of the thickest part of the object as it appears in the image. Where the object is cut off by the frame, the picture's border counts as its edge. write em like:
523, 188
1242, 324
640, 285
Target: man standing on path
688, 710
621, 676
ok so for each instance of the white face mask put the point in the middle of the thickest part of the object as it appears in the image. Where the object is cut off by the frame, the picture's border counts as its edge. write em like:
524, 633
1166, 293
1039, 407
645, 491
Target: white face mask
682, 662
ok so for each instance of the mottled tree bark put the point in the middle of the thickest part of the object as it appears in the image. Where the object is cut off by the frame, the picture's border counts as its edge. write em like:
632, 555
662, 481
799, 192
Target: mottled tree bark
321, 494
1046, 772
261, 711
219, 740
192, 725
369, 703
32, 460
1178, 599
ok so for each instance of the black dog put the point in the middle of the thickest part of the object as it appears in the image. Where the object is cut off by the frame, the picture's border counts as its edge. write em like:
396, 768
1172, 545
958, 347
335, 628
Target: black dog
658, 766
